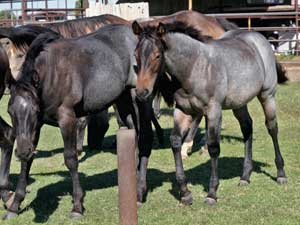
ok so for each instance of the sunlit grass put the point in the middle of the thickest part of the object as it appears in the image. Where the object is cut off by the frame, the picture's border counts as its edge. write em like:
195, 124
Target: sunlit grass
262, 202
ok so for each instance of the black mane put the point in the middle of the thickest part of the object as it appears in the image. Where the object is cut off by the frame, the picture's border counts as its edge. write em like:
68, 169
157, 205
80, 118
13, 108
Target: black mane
29, 79
23, 36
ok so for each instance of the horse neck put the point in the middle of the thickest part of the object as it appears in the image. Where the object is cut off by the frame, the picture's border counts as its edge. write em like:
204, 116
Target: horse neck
181, 53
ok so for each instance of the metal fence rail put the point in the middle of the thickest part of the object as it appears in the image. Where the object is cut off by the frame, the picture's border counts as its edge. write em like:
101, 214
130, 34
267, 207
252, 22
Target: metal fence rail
268, 15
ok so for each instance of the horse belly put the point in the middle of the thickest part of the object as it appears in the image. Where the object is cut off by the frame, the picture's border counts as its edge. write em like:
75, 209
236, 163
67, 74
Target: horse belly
240, 93
100, 95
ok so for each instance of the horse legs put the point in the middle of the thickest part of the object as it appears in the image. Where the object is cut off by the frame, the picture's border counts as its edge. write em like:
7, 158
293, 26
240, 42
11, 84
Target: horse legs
214, 120
145, 140
181, 127
20, 193
156, 105
67, 124
269, 107
6, 142
189, 139
98, 125
245, 122
158, 129
81, 125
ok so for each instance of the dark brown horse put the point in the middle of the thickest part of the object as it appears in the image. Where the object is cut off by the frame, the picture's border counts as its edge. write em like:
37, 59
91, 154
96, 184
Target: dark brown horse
6, 133
209, 26
96, 72
15, 42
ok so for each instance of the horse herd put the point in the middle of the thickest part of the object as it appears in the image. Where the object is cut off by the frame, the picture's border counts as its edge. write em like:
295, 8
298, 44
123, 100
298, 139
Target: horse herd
66, 73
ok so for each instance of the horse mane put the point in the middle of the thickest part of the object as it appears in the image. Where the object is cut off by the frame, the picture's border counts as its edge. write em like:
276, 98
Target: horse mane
80, 27
226, 25
29, 79
179, 27
22, 36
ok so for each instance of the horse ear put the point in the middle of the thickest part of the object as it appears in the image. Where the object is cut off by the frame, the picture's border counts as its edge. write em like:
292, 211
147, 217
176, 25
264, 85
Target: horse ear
137, 29
161, 29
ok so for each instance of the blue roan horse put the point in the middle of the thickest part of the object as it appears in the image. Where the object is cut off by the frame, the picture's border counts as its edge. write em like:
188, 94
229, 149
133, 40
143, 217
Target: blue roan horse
208, 77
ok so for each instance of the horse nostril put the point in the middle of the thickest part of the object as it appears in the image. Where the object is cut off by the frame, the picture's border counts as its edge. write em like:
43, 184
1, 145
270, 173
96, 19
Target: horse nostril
142, 93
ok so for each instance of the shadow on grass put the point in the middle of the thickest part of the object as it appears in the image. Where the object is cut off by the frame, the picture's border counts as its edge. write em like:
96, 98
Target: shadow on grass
109, 145
48, 197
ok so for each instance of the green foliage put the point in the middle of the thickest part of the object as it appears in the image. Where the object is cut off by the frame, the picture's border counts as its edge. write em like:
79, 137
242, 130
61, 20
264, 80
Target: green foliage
262, 202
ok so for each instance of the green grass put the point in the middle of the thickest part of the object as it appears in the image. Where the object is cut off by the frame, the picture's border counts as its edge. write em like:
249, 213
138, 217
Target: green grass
262, 202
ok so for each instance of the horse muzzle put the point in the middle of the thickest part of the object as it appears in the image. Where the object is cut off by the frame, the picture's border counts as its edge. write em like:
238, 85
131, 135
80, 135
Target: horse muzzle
142, 94
25, 149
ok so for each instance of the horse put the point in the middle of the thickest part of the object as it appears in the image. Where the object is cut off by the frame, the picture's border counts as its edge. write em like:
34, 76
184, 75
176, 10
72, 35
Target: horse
213, 27
6, 132
78, 27
209, 76
100, 72
16, 42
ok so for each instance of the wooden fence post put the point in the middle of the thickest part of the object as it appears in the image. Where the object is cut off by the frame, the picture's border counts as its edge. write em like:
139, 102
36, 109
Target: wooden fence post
126, 146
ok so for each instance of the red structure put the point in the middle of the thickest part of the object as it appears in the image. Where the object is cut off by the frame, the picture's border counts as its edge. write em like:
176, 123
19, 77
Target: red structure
27, 13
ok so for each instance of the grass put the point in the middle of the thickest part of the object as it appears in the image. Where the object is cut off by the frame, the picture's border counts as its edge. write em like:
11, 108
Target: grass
262, 202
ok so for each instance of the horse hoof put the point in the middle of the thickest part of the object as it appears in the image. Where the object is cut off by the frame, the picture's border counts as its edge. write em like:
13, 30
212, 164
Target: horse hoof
139, 204
75, 215
210, 201
244, 183
10, 201
187, 200
204, 150
281, 180
9, 215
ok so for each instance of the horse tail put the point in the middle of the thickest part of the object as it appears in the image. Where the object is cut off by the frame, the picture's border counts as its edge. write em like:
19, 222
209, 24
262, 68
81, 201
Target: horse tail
36, 47
226, 25
281, 73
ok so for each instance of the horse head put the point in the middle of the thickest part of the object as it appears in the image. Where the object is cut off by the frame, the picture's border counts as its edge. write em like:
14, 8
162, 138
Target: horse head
149, 55
23, 108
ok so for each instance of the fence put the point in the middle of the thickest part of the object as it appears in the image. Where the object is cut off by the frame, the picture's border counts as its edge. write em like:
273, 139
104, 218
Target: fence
293, 42
127, 11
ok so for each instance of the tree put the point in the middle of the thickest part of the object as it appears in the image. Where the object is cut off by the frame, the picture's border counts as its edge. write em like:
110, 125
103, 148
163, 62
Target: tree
7, 14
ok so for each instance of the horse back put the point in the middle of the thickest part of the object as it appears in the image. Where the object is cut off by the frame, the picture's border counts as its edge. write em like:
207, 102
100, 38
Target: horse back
240, 64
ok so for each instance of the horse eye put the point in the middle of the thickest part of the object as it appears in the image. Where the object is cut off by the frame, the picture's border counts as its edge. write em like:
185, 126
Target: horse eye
7, 43
157, 57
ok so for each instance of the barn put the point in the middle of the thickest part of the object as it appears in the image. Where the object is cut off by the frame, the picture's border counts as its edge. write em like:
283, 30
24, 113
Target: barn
165, 7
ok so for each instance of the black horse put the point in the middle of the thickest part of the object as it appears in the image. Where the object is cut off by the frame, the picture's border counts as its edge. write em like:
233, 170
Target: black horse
7, 136
208, 76
99, 72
